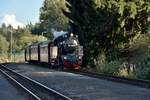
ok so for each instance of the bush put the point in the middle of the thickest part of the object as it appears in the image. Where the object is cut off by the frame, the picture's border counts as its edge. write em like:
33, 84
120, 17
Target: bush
110, 68
143, 69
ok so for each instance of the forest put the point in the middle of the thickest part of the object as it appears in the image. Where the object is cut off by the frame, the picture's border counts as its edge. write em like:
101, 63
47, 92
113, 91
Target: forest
115, 34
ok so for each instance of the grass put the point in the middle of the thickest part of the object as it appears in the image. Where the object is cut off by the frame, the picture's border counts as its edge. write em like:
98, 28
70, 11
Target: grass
18, 57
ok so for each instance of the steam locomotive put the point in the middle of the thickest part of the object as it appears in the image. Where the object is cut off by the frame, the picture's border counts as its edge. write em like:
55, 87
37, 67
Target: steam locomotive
64, 52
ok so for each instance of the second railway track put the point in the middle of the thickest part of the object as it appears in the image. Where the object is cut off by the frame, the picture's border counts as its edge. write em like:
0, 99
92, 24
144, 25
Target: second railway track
34, 88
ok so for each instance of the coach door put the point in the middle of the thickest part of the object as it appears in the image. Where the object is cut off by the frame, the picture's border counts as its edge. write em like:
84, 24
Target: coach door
53, 54
44, 53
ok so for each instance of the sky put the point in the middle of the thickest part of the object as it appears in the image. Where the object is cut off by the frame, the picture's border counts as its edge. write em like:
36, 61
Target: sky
19, 12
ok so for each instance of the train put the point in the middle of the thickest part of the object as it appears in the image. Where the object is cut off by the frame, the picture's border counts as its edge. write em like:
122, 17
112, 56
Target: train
64, 52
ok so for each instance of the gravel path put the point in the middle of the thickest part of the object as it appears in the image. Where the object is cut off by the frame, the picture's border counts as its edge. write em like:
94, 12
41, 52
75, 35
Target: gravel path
83, 87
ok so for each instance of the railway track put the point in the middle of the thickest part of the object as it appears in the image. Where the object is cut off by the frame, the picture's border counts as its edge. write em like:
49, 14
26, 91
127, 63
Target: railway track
34, 88
136, 82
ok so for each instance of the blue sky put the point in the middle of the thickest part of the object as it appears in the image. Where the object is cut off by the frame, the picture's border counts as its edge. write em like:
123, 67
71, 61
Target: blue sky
24, 11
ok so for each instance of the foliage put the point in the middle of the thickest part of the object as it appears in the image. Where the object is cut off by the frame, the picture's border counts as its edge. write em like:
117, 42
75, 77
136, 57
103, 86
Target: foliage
21, 37
143, 69
111, 68
25, 40
142, 56
51, 16
38, 29
3, 44
107, 25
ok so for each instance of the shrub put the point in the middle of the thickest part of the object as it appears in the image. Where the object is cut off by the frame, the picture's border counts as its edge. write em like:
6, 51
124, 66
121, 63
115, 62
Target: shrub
143, 69
110, 68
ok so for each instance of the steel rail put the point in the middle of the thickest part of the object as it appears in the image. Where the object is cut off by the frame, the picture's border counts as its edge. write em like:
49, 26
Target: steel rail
15, 81
56, 95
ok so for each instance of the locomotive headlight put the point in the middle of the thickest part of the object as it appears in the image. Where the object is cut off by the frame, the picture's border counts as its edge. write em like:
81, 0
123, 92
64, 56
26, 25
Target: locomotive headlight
80, 57
65, 58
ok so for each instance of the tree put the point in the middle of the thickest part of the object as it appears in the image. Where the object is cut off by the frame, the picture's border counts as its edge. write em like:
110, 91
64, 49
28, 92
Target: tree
23, 37
104, 25
51, 16
93, 26
4, 45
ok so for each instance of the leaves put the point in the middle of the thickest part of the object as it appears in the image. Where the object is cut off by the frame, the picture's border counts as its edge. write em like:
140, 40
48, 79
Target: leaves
104, 25
122, 5
133, 11
4, 45
51, 16
21, 37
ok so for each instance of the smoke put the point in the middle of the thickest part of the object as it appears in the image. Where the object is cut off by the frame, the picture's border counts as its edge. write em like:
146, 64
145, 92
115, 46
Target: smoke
58, 33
